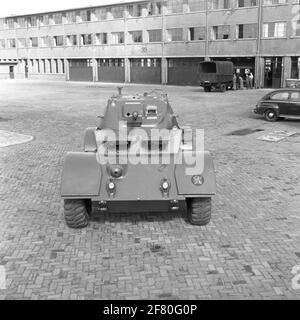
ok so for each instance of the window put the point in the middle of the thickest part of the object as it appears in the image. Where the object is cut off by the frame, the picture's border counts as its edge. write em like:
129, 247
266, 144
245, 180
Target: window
50, 65
101, 14
21, 22
101, 38
55, 62
2, 24
71, 17
219, 4
196, 5
196, 33
175, 34
175, 6
63, 65
71, 40
43, 20
86, 15
280, 96
33, 42
57, 18
79, 63
246, 31
294, 68
295, 96
58, 41
10, 23
2, 44
220, 32
147, 63
32, 21
296, 28
12, 43
154, 8
117, 37
246, 3
38, 65
117, 12
266, 2
45, 41
136, 36
43, 65
274, 29
86, 39
135, 10
22, 43
110, 63
155, 35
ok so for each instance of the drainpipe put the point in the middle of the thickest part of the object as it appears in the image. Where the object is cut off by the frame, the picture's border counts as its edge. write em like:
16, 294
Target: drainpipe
206, 32
258, 48
164, 61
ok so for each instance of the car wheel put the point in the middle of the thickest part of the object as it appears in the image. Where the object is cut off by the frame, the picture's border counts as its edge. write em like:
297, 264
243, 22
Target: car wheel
199, 211
76, 213
270, 115
207, 89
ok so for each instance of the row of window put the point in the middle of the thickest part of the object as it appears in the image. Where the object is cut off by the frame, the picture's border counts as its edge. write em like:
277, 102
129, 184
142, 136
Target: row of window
43, 65
221, 32
132, 10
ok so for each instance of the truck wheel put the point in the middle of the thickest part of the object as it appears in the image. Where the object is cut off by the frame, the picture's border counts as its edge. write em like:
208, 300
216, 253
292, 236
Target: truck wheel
199, 211
76, 213
270, 115
223, 87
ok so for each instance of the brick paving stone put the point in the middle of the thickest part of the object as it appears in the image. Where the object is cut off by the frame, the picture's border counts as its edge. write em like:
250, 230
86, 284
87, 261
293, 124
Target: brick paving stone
246, 252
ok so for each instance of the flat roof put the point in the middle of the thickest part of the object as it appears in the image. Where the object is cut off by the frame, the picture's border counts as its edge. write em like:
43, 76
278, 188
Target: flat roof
107, 3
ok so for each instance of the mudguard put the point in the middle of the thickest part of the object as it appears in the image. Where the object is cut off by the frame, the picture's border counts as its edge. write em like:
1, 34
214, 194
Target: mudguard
184, 181
81, 176
266, 106
90, 144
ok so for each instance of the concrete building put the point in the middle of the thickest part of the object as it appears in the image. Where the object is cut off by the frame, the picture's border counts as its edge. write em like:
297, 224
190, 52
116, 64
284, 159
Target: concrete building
154, 41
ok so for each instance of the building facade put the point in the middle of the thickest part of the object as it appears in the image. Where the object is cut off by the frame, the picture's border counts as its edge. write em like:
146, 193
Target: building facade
154, 41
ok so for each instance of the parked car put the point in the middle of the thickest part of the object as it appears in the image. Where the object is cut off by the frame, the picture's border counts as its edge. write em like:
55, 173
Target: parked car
280, 103
215, 75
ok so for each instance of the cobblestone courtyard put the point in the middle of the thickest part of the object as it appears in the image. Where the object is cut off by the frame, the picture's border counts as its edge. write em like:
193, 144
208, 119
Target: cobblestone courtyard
248, 251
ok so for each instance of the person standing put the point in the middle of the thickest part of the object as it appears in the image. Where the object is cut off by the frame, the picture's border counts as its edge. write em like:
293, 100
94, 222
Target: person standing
247, 81
251, 78
234, 81
241, 82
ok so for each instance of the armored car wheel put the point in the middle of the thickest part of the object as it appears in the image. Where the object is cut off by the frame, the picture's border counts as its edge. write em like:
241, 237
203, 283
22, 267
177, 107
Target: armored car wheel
199, 211
76, 213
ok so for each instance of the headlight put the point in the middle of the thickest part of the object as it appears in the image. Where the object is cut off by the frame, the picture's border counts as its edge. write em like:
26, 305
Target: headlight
165, 185
197, 180
111, 186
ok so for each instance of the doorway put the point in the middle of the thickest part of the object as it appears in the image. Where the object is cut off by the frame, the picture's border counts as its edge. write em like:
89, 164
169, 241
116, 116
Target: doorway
26, 69
11, 72
273, 71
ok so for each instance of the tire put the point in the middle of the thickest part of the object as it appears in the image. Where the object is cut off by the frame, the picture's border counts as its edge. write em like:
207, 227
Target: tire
76, 213
199, 211
207, 89
223, 87
270, 115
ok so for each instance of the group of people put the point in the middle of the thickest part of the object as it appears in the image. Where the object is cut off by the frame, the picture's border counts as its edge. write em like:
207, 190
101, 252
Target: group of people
240, 82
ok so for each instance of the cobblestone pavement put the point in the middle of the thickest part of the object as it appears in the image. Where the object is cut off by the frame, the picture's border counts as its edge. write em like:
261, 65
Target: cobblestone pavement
248, 251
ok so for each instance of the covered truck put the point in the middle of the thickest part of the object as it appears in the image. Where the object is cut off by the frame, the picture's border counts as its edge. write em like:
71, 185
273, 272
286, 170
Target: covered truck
215, 75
